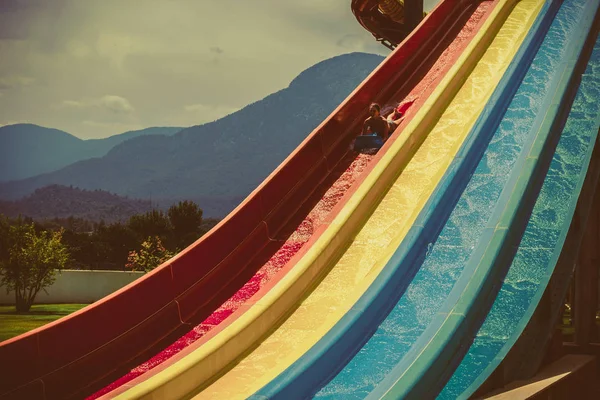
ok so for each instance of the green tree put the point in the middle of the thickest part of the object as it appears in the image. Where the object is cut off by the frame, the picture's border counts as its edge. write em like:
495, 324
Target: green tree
151, 254
186, 221
152, 223
33, 259
4, 239
85, 252
207, 225
111, 244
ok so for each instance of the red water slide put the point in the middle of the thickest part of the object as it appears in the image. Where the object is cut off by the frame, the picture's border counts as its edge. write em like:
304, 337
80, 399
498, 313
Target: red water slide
79, 354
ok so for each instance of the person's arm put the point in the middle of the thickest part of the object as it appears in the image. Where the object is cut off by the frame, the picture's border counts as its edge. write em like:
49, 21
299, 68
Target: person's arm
365, 126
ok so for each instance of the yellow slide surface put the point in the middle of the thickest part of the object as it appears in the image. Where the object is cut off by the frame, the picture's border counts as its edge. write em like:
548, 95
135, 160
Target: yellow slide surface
361, 238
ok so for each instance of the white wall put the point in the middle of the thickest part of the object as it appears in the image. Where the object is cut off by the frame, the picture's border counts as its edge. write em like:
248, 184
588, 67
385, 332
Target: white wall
73, 286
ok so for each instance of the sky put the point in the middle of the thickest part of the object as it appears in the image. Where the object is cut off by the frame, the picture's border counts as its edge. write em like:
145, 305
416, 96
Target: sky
95, 68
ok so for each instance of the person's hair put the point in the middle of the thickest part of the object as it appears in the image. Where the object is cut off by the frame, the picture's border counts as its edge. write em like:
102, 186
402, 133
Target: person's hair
377, 106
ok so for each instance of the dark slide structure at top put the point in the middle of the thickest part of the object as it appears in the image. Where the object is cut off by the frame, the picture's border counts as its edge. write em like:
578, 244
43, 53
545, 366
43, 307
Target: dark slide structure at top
390, 21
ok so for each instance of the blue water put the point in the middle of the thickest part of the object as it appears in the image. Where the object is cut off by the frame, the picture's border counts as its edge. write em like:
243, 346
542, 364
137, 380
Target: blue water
447, 256
532, 265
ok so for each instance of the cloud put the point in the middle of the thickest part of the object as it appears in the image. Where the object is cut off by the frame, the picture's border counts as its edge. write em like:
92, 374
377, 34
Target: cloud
15, 81
22, 19
11, 27
117, 104
112, 103
95, 117
11, 6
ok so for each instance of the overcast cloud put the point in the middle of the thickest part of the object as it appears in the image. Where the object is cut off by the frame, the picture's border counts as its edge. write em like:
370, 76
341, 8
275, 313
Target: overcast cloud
95, 68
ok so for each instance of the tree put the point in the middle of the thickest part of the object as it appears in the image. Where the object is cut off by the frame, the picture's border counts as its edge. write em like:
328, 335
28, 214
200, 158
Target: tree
186, 220
151, 254
85, 251
4, 240
152, 223
32, 262
111, 244
207, 225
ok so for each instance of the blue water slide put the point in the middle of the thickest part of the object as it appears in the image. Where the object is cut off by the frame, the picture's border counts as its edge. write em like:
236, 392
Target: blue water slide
438, 351
510, 328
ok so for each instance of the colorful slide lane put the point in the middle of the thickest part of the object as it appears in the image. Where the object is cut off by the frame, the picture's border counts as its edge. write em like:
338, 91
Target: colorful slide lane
77, 355
512, 333
325, 279
362, 260
524, 139
351, 333
545, 92
425, 336
424, 78
234, 339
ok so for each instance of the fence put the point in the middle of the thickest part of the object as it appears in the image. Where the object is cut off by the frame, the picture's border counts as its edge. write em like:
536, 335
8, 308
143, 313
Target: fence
73, 286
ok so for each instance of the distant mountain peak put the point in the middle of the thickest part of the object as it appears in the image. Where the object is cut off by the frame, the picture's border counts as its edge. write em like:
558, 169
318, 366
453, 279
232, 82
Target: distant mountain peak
28, 150
322, 71
32, 129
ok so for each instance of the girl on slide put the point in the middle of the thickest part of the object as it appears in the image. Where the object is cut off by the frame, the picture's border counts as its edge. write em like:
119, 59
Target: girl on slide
378, 127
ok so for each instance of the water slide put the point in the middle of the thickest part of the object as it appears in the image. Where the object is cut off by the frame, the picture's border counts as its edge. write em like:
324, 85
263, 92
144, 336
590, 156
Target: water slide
464, 244
482, 200
519, 324
462, 263
490, 54
203, 360
386, 296
480, 68
185, 297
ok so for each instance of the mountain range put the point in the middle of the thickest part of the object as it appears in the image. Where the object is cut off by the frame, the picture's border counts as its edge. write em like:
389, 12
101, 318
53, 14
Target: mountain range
219, 163
28, 150
56, 201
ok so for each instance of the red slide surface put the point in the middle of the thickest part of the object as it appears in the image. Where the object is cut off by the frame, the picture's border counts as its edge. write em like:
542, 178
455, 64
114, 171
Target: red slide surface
81, 353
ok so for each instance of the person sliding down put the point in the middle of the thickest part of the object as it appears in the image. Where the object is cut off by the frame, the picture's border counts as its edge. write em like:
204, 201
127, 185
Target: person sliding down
394, 120
397, 115
376, 124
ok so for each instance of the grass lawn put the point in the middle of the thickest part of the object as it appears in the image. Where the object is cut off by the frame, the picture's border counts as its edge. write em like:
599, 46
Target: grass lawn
13, 324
